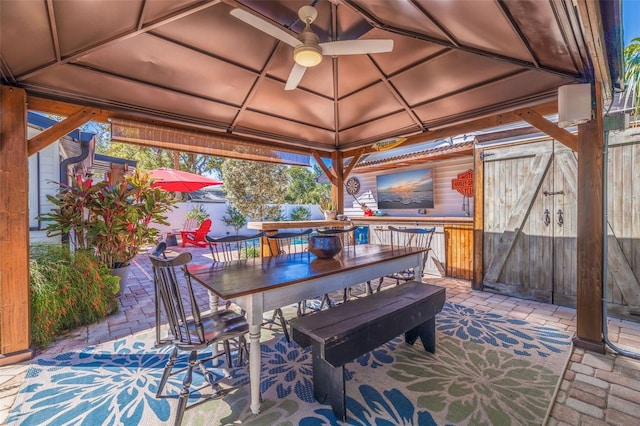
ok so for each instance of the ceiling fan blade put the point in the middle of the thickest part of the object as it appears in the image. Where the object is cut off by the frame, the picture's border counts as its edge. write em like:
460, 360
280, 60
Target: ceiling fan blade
265, 26
356, 47
295, 76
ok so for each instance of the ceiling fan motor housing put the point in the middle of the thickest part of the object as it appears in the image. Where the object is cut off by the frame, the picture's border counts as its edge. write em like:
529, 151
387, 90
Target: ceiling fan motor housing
309, 53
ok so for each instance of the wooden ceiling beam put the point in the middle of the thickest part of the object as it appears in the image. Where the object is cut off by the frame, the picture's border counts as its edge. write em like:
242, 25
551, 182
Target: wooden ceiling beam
64, 127
466, 127
352, 163
539, 122
332, 178
63, 109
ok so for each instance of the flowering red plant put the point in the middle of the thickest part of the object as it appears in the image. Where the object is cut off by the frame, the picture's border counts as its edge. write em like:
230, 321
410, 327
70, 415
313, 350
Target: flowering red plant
115, 220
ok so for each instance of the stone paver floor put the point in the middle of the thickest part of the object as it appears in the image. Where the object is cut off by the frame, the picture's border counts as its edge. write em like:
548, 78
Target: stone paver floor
597, 389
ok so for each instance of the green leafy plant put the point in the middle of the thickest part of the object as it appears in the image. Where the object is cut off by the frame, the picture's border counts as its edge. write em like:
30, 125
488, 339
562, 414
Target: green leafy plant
114, 220
199, 213
327, 205
67, 290
632, 75
234, 218
300, 213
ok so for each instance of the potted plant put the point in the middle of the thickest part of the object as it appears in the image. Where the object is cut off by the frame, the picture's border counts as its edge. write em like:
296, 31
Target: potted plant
328, 207
113, 220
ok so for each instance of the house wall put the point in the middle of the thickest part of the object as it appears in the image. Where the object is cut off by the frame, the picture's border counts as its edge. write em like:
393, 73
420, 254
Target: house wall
447, 202
44, 171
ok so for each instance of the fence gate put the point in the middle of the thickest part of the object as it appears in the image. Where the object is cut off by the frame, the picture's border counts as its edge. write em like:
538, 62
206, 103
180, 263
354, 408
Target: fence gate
530, 221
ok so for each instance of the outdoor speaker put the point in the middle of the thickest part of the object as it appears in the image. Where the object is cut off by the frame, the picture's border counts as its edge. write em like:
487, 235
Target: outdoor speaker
574, 104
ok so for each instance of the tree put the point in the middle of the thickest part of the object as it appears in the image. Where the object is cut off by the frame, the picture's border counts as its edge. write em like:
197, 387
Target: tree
255, 188
303, 186
632, 75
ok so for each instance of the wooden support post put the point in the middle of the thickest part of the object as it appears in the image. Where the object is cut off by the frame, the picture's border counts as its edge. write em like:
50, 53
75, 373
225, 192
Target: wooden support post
478, 221
15, 336
590, 243
337, 192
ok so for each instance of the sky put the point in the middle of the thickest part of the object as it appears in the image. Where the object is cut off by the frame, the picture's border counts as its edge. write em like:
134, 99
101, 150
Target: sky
630, 20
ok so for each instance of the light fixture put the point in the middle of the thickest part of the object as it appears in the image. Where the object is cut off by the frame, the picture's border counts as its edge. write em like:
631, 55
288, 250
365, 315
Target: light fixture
307, 56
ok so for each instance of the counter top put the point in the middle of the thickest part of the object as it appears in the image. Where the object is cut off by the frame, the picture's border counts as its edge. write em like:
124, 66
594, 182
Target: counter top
412, 219
296, 224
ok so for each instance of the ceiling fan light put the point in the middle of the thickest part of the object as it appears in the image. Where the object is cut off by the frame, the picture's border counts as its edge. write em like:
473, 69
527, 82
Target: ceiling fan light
307, 56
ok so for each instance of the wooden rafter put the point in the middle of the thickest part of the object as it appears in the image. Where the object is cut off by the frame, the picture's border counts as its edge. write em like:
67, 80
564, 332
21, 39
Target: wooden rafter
53, 133
325, 169
539, 122
466, 127
352, 163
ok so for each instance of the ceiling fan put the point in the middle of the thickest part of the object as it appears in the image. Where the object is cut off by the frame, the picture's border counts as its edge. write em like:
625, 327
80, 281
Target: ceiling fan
308, 51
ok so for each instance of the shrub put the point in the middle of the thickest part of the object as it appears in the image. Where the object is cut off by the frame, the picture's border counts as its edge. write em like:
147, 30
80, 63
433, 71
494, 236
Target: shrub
300, 213
234, 218
67, 290
199, 213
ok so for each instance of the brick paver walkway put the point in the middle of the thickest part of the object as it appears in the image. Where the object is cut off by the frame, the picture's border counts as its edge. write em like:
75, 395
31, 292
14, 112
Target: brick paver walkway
596, 389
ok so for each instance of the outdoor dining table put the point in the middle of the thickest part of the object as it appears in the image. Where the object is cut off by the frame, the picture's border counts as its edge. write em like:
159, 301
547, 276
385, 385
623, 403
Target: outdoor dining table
261, 284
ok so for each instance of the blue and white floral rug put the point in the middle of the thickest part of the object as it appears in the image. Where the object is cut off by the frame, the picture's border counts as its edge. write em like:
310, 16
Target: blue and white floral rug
488, 369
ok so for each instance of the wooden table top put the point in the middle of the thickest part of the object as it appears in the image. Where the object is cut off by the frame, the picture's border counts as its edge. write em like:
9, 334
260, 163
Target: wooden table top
296, 224
242, 277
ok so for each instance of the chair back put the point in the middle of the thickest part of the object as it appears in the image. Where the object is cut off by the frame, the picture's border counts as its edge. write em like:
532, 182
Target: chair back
411, 237
289, 242
347, 235
190, 225
235, 247
175, 292
203, 230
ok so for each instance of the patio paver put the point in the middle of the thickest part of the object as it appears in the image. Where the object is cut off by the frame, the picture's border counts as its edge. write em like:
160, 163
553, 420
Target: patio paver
596, 389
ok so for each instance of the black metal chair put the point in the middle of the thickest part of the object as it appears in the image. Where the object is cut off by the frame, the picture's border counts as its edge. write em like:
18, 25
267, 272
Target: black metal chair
408, 237
348, 237
234, 247
288, 243
191, 331
242, 247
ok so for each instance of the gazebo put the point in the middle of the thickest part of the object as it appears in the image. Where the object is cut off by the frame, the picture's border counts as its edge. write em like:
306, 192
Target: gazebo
195, 76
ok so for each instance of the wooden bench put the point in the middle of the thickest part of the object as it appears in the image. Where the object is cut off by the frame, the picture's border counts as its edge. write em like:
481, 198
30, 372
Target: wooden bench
345, 332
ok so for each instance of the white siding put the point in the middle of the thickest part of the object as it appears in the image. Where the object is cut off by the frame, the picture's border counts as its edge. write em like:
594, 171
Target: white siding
447, 202
44, 169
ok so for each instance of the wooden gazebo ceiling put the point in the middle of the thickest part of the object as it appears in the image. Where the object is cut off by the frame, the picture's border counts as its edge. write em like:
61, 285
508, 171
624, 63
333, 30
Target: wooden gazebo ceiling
192, 63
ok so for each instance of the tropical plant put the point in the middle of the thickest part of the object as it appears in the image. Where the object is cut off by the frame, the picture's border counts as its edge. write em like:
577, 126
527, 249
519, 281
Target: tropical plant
327, 205
300, 213
255, 188
199, 213
114, 220
67, 290
234, 218
632, 75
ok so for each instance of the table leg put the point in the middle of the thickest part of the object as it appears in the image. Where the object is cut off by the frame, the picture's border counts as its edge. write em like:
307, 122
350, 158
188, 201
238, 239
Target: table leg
254, 367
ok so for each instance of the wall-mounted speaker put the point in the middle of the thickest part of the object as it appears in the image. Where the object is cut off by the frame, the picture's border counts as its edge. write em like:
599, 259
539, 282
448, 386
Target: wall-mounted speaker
574, 104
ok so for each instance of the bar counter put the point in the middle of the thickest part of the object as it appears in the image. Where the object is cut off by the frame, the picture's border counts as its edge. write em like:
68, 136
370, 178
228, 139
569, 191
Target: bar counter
296, 224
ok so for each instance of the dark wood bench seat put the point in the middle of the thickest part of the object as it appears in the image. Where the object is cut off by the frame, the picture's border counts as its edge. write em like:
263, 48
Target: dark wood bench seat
343, 333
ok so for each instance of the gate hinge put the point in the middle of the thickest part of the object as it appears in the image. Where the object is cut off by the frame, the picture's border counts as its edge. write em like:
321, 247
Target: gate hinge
484, 155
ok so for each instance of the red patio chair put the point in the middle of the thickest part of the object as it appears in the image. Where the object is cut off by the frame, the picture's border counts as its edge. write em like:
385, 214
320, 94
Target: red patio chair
197, 237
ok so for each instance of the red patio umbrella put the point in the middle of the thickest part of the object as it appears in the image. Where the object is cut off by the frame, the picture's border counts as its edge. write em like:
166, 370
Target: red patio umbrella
178, 181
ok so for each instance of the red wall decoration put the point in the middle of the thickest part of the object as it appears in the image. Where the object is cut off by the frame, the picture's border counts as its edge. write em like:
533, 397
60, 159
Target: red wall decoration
464, 183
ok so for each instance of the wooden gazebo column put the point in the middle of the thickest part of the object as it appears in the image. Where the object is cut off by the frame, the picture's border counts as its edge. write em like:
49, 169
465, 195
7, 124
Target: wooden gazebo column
337, 193
14, 227
590, 243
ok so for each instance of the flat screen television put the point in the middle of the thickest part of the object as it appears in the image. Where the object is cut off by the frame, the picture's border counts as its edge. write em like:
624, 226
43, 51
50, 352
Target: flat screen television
406, 190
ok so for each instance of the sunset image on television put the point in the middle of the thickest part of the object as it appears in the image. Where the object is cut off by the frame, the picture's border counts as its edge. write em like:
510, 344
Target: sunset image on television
407, 190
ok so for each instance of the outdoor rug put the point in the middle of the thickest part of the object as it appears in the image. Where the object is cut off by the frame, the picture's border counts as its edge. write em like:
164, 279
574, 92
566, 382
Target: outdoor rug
488, 369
